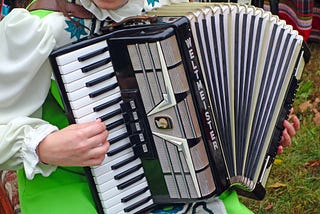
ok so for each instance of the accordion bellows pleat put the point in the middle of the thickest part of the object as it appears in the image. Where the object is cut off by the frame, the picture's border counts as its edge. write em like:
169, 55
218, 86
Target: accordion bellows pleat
194, 103
249, 59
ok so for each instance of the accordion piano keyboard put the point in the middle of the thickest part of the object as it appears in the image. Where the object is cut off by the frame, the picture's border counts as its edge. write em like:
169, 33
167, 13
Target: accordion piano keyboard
93, 92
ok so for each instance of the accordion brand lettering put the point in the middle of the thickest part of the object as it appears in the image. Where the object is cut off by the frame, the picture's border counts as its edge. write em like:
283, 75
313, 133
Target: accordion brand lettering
201, 92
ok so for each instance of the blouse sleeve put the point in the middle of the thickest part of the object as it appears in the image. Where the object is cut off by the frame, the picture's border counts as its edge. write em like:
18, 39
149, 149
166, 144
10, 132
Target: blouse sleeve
25, 73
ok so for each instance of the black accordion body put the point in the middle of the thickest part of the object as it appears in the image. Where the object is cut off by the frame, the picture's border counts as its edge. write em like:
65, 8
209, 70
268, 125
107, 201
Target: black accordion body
194, 104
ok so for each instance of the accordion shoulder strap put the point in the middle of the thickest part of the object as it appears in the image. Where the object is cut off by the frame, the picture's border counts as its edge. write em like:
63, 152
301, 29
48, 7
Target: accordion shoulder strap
67, 8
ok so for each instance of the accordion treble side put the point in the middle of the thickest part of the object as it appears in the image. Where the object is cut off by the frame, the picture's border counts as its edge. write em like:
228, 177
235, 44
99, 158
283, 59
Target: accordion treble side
249, 62
200, 100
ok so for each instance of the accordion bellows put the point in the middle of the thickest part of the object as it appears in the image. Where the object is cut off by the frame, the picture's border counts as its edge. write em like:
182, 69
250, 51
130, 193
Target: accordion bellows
199, 99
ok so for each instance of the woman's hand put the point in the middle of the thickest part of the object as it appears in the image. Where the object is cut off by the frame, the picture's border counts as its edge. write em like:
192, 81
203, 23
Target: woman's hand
76, 145
290, 129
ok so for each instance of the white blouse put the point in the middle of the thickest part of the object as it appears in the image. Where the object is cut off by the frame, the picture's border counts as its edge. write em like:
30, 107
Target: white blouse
25, 75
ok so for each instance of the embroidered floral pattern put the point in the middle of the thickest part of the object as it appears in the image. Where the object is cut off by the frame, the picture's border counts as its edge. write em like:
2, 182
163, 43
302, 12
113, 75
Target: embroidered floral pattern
152, 2
75, 27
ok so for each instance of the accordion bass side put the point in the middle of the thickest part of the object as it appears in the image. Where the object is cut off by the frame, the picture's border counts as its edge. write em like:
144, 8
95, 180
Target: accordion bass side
196, 101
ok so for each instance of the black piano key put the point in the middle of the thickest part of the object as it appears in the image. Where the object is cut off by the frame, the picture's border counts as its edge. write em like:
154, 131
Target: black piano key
103, 90
107, 104
123, 162
134, 195
130, 181
118, 138
115, 124
119, 149
100, 79
127, 172
110, 115
95, 65
92, 54
137, 204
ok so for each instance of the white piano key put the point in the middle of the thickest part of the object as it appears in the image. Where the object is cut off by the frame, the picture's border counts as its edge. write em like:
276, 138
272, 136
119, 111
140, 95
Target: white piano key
72, 66
112, 191
114, 183
83, 92
113, 134
113, 201
78, 74
86, 100
103, 162
71, 56
108, 176
88, 109
107, 159
119, 155
117, 208
95, 115
149, 203
80, 83
106, 211
119, 144
143, 196
106, 165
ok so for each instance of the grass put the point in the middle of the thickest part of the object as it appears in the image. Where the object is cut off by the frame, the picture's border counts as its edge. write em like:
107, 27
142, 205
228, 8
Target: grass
294, 183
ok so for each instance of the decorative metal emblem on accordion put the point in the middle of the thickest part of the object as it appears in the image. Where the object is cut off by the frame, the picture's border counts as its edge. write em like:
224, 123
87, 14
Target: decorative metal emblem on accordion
194, 104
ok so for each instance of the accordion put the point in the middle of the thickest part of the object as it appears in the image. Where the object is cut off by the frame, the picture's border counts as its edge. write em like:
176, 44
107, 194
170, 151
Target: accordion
194, 103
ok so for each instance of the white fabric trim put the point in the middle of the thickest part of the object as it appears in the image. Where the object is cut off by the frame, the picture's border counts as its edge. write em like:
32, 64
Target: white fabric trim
31, 160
